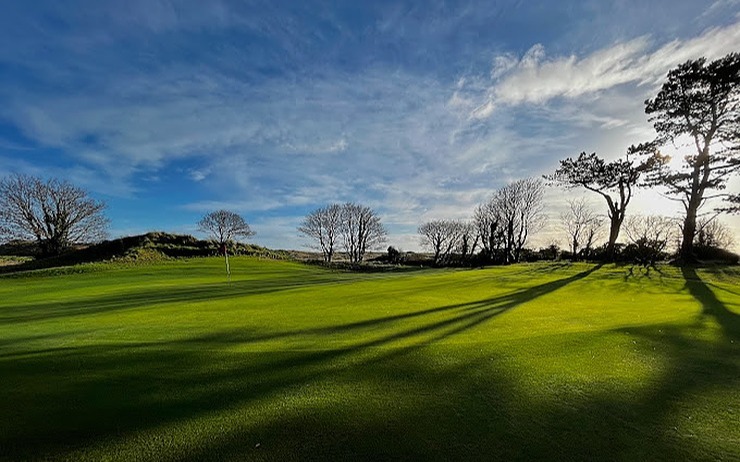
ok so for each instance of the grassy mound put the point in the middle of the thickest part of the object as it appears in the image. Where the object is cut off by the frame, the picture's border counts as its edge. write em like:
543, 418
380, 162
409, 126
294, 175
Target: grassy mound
148, 247
169, 361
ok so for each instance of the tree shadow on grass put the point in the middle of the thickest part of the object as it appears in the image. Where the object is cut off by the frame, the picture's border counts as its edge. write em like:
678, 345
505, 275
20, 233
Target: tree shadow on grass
462, 316
638, 271
474, 416
475, 410
68, 397
711, 305
379, 396
656, 423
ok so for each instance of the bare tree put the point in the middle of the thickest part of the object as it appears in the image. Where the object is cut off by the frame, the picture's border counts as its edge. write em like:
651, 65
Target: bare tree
488, 224
713, 233
224, 226
442, 237
508, 219
581, 224
522, 213
322, 226
649, 236
360, 230
469, 239
54, 213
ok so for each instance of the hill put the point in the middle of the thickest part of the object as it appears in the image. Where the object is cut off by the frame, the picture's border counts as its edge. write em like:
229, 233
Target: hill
145, 247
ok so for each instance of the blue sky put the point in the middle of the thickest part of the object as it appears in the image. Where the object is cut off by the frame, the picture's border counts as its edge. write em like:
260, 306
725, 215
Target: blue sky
170, 109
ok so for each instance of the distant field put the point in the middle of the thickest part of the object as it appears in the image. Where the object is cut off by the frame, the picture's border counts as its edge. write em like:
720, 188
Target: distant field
293, 362
13, 260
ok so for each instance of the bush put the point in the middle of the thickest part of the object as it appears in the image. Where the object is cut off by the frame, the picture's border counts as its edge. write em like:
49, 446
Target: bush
716, 254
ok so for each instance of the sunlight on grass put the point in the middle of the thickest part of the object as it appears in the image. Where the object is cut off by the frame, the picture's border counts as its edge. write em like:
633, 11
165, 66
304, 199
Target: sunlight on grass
171, 361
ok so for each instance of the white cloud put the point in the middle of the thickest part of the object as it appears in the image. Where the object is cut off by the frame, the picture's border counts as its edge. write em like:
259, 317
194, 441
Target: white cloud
199, 175
536, 78
719, 5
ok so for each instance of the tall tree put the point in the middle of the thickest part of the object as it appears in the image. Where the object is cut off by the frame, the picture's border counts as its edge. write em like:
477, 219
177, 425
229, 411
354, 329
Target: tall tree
322, 226
521, 210
469, 239
508, 219
360, 230
699, 101
614, 181
488, 224
52, 212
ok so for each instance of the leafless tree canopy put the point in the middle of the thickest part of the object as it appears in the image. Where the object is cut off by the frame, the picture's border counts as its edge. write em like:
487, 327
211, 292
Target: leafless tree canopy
353, 227
445, 237
322, 227
488, 225
510, 217
360, 230
224, 226
713, 233
54, 213
469, 239
651, 235
652, 227
442, 237
581, 224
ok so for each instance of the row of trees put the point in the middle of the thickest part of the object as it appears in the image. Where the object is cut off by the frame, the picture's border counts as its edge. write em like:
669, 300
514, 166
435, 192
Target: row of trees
696, 109
500, 227
647, 239
699, 102
583, 226
354, 228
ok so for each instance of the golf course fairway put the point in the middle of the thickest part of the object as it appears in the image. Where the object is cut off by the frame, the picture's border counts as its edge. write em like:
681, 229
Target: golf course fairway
170, 361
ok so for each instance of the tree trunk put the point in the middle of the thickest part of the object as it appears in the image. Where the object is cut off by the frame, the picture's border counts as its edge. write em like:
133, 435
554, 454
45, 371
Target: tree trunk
616, 224
689, 230
574, 257
51, 247
510, 242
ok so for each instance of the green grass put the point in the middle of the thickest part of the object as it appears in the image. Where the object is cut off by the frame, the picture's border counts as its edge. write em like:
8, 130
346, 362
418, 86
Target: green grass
293, 362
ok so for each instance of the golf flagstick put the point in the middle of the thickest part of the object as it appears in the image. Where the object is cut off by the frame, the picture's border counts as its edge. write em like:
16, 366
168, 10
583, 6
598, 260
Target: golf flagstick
228, 269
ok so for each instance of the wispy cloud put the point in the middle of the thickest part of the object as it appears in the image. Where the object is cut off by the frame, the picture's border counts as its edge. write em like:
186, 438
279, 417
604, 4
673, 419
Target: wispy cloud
536, 78
418, 111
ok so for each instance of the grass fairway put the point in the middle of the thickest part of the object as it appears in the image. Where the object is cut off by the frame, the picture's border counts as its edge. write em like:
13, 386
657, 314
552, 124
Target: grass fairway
290, 362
